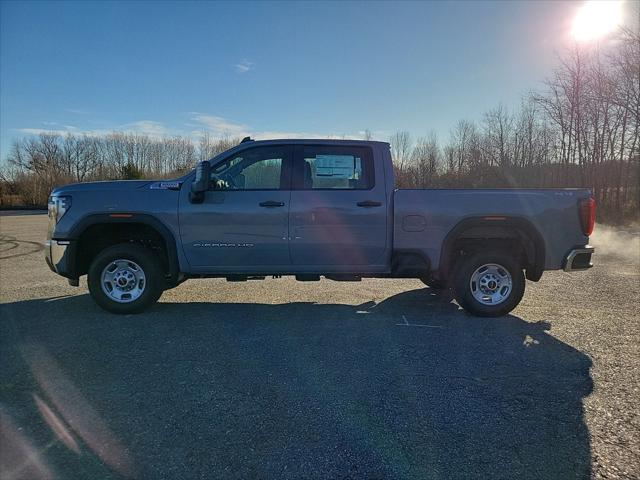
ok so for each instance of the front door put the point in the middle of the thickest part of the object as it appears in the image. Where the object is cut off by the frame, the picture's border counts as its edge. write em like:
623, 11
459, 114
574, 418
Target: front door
242, 224
338, 214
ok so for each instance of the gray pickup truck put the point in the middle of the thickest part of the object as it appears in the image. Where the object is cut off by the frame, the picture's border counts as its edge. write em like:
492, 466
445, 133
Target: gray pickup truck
312, 208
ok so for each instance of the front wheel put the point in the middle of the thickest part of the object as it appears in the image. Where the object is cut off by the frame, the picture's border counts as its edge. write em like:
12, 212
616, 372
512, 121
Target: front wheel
489, 284
125, 278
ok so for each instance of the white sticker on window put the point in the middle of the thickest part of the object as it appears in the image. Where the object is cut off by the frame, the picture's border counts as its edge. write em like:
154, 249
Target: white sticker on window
336, 166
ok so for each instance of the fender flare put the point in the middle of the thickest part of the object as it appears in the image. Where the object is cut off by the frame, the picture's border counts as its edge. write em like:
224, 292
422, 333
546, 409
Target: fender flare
143, 218
534, 273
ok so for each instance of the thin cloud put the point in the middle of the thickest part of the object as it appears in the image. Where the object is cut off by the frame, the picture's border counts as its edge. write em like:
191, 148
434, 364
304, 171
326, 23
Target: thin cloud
150, 128
59, 125
219, 126
244, 66
271, 135
63, 132
379, 135
199, 124
222, 127
45, 131
146, 127
78, 111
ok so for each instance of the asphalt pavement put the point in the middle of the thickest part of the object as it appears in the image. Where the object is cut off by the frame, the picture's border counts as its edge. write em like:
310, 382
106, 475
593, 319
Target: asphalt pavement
381, 379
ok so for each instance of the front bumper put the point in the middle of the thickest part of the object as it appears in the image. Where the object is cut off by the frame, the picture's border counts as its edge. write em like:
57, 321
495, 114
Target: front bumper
59, 255
578, 259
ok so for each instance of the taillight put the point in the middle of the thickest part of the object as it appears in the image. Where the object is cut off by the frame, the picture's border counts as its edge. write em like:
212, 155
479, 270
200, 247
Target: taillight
587, 215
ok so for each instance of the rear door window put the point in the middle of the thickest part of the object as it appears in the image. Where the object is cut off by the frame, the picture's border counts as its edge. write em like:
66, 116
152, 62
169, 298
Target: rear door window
333, 168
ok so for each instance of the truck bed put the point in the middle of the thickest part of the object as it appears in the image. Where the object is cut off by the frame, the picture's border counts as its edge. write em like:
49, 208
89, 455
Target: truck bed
423, 218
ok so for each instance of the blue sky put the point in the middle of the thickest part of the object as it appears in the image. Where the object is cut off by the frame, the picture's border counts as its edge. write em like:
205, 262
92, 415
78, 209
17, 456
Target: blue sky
269, 69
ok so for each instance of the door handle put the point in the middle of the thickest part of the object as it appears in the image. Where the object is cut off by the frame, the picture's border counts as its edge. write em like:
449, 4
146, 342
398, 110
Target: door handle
271, 203
369, 203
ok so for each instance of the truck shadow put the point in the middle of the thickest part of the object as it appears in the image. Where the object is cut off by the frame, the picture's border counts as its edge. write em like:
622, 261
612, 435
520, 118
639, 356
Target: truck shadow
295, 390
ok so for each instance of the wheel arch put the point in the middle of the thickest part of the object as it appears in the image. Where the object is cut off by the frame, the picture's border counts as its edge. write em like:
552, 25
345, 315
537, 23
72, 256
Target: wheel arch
125, 227
486, 229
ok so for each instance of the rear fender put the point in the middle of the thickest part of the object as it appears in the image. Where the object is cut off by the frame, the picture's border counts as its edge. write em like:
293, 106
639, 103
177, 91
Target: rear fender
533, 243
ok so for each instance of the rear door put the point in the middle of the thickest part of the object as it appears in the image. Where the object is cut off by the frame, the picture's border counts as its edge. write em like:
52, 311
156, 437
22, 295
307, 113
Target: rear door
338, 214
242, 224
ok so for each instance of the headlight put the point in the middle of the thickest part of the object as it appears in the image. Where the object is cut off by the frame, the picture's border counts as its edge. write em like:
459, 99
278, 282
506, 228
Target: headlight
58, 206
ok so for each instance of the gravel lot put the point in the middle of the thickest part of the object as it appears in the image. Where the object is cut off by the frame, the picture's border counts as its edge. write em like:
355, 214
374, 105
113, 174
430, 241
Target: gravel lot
381, 379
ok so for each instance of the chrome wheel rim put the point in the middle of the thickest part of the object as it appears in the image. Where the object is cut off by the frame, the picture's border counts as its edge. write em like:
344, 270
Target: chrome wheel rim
123, 281
491, 284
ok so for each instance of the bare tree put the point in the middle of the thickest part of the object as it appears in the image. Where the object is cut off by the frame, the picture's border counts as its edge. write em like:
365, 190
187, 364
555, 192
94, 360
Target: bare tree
497, 134
400, 152
426, 160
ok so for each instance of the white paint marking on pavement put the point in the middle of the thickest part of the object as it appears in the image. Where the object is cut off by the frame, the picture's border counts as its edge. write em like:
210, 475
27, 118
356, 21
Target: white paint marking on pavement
416, 325
407, 324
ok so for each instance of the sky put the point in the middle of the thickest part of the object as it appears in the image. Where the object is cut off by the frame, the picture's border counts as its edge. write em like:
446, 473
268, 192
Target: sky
269, 69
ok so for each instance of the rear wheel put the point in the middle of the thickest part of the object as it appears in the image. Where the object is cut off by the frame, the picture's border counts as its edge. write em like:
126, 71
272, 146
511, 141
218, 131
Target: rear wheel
489, 284
125, 278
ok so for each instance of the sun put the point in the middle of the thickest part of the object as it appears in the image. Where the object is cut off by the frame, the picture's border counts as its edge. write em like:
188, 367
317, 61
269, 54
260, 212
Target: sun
596, 18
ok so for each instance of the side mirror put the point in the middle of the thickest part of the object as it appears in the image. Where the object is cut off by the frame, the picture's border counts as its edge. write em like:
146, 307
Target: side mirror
201, 182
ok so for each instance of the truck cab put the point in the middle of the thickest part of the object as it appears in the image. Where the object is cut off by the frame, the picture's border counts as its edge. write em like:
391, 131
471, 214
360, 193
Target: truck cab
277, 208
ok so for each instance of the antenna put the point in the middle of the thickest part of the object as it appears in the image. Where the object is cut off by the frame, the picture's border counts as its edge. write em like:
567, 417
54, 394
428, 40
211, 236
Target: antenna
246, 139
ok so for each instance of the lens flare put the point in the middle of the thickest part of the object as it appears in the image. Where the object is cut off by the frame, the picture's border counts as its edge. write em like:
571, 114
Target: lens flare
595, 19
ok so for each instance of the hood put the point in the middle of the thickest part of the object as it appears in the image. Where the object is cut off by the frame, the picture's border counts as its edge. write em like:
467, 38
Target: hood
106, 185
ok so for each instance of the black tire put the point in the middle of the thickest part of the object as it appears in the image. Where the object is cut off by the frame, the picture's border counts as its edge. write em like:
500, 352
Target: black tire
145, 259
433, 283
466, 267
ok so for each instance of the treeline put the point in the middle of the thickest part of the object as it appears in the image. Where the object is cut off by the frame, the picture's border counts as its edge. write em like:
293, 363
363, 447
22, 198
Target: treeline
579, 130
37, 164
